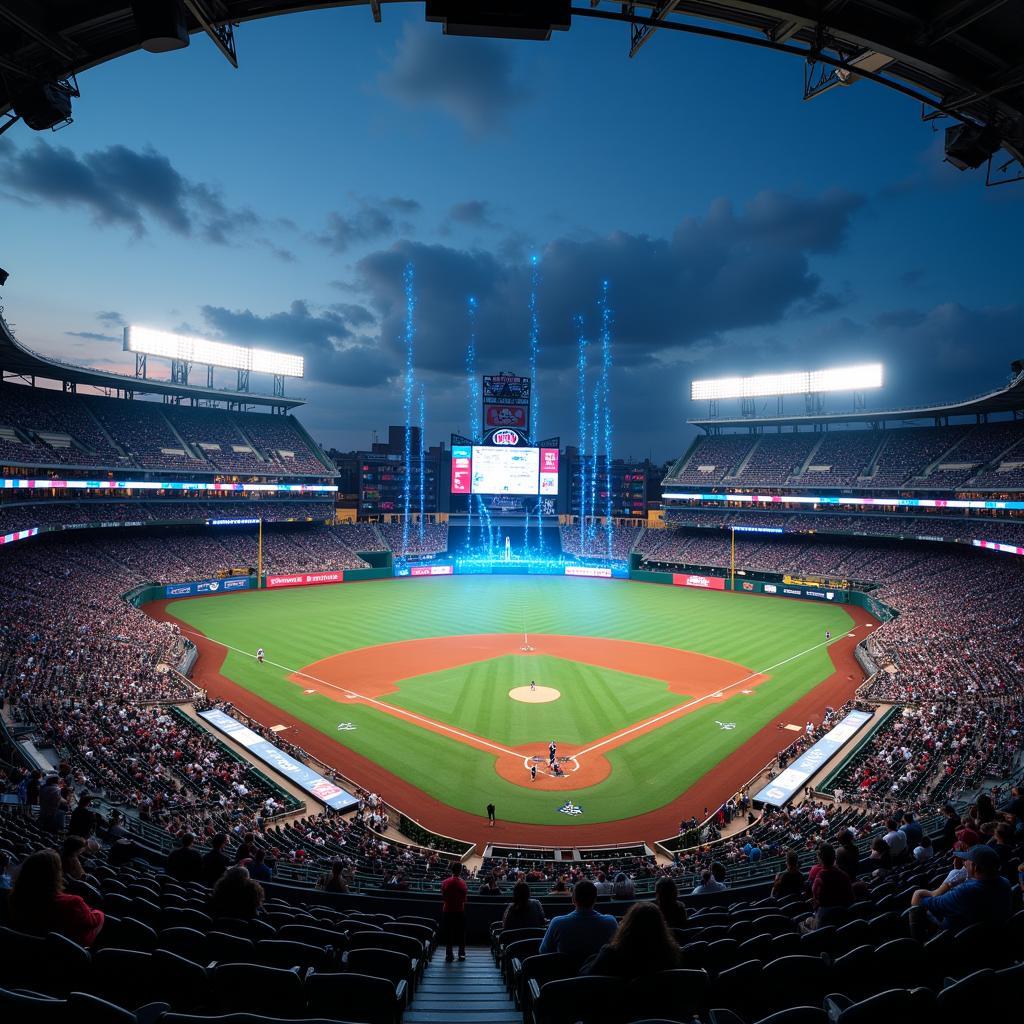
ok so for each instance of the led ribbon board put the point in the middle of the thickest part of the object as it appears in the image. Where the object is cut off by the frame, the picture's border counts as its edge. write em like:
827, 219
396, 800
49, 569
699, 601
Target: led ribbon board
188, 349
803, 499
18, 483
805, 382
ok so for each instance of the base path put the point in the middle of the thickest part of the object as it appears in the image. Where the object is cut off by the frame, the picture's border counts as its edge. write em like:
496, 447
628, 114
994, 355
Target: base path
709, 791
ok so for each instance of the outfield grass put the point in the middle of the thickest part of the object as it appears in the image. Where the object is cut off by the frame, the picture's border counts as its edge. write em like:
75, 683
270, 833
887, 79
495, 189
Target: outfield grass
298, 627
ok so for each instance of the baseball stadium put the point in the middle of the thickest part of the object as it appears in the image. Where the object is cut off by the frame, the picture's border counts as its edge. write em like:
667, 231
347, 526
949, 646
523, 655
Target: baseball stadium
507, 727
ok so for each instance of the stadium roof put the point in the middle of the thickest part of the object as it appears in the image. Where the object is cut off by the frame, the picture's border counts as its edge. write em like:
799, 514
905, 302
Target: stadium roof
959, 56
1006, 399
18, 361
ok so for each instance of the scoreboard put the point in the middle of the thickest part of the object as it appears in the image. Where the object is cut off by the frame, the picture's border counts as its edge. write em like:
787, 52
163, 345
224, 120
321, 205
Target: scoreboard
506, 401
507, 464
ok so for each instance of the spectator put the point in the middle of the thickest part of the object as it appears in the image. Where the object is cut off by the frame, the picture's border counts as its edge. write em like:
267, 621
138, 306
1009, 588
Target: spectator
52, 806
923, 851
1002, 843
5, 874
71, 852
790, 882
38, 903
257, 866
847, 854
624, 889
956, 876
880, 859
522, 912
896, 840
453, 914
985, 898
84, 820
666, 897
334, 880
912, 830
950, 826
184, 863
236, 895
641, 945
831, 890
490, 886
582, 932
215, 861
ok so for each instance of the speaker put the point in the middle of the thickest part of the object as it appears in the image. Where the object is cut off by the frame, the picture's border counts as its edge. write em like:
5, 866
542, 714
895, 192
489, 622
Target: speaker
501, 19
162, 25
43, 105
970, 145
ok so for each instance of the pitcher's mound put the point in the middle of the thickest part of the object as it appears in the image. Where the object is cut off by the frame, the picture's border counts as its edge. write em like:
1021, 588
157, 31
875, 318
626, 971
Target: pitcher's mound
542, 695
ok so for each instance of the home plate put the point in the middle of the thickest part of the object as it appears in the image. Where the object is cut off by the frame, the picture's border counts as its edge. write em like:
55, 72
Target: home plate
309, 691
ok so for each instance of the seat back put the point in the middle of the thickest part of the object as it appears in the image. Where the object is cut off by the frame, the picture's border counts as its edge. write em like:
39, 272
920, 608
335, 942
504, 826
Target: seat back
254, 988
592, 999
364, 999
679, 993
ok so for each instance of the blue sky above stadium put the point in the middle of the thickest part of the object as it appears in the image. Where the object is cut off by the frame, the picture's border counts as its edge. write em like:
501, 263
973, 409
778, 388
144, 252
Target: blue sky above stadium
740, 229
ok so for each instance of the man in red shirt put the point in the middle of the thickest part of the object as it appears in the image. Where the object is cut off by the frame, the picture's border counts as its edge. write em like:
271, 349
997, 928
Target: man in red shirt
453, 912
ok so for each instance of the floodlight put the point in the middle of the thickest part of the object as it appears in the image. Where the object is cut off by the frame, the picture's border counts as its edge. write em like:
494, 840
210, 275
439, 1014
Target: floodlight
162, 25
185, 348
847, 378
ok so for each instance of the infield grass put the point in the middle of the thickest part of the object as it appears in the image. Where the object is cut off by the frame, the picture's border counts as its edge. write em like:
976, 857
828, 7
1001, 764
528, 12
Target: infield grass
301, 626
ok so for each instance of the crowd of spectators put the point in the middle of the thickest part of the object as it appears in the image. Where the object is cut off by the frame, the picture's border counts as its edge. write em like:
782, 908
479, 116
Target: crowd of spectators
775, 458
432, 540
845, 453
714, 458
585, 543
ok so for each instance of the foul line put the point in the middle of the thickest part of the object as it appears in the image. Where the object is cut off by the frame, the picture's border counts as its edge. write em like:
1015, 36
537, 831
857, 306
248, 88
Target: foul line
388, 708
697, 700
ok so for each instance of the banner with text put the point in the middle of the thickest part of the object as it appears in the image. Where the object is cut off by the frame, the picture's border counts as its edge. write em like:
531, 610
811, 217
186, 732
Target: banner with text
685, 579
299, 774
223, 586
305, 579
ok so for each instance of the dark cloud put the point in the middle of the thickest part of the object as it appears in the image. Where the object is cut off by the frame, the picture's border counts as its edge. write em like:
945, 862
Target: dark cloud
474, 213
334, 353
369, 222
899, 319
354, 314
91, 336
729, 270
474, 80
111, 318
123, 187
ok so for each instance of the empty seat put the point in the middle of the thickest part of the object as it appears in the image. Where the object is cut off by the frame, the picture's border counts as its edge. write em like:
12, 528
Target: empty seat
679, 993
591, 1000
254, 988
365, 1000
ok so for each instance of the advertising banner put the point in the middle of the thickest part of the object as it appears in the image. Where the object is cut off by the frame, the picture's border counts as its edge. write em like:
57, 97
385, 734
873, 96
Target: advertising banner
994, 545
596, 571
305, 579
782, 788
684, 579
505, 416
549, 471
207, 587
431, 570
305, 778
462, 469
10, 538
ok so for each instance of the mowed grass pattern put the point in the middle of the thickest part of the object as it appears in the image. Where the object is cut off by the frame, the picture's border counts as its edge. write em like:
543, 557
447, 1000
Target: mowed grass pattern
298, 627
594, 701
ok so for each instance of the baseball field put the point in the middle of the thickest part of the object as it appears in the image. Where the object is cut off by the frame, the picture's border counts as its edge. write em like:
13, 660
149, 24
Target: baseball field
658, 697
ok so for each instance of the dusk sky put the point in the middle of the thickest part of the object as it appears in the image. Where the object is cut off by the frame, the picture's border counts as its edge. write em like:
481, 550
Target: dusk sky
740, 229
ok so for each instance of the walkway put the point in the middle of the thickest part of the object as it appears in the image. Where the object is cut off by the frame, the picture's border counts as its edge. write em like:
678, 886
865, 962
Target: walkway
462, 993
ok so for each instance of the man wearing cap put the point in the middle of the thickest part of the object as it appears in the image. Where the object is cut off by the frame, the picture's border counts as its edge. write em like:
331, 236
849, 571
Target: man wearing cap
985, 898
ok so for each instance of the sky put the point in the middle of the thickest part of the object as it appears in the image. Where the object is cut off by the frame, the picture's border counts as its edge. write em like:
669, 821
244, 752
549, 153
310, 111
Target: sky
739, 228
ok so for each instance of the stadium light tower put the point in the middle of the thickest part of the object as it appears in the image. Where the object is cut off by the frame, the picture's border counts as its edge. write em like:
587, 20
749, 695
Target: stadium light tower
812, 384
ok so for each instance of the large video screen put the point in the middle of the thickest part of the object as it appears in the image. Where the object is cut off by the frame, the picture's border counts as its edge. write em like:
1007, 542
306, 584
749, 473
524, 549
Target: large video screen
506, 470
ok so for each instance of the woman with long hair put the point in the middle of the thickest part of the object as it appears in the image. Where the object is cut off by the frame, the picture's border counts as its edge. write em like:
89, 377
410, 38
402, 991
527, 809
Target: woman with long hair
522, 912
38, 903
666, 899
236, 895
641, 945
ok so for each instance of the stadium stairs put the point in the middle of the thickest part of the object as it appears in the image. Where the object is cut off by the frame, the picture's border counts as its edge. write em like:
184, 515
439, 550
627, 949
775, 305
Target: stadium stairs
463, 993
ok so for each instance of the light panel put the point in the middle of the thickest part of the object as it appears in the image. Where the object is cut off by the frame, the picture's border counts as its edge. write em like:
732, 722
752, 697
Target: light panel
805, 382
829, 499
184, 347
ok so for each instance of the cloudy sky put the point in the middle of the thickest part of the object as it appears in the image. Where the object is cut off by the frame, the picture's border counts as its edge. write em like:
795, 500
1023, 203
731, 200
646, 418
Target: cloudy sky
739, 228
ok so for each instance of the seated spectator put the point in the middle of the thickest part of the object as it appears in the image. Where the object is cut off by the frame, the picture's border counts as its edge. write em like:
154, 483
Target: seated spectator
236, 895
708, 883
790, 882
334, 880
912, 830
969, 832
896, 840
957, 875
245, 848
184, 863
582, 932
52, 806
666, 898
624, 889
5, 874
71, 852
258, 867
559, 887
215, 861
847, 854
641, 945
950, 826
923, 851
880, 859
490, 886
831, 889
522, 912
38, 903
984, 898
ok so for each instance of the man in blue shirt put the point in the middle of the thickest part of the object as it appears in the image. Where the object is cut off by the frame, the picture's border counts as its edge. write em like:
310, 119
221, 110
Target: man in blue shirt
985, 898
583, 932
912, 830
